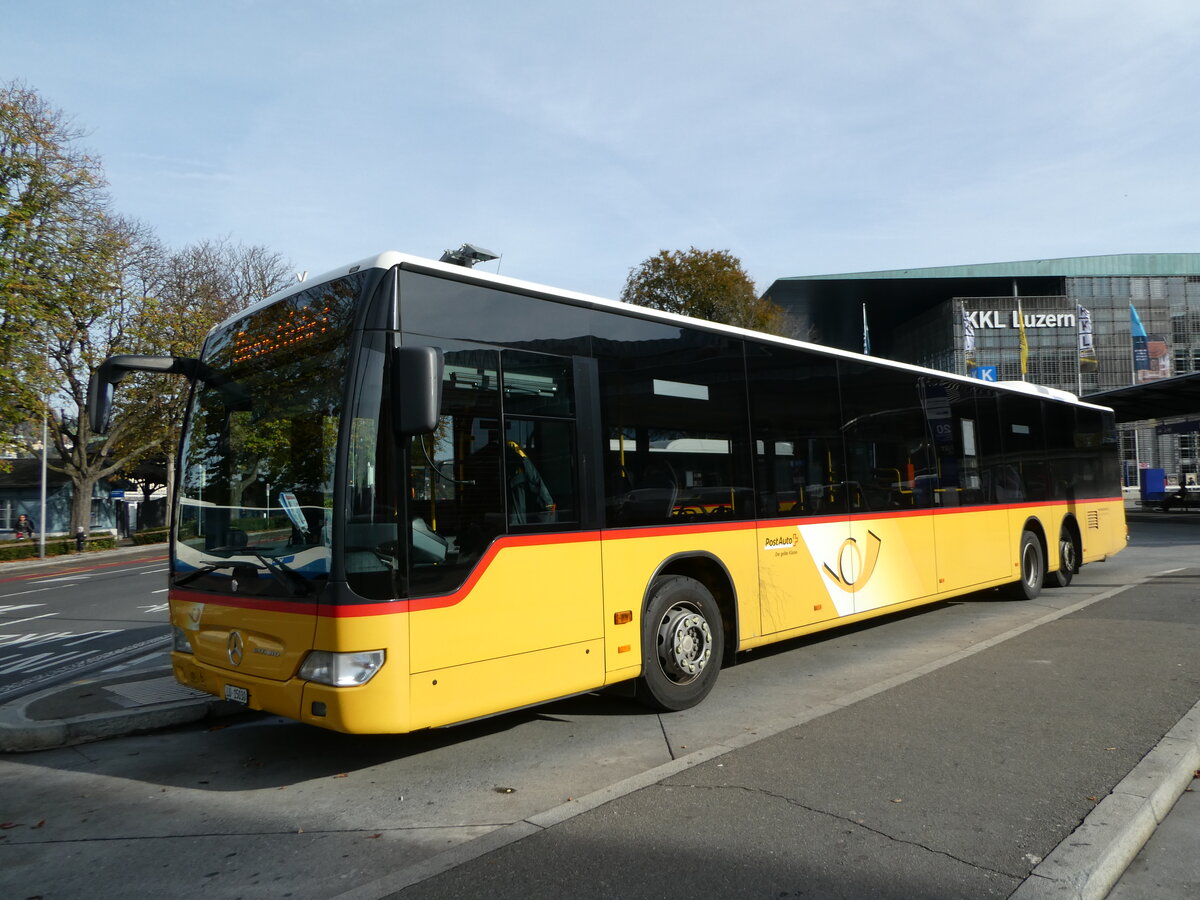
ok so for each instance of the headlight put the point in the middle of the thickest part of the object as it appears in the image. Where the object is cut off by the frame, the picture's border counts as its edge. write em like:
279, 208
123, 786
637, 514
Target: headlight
179, 640
342, 669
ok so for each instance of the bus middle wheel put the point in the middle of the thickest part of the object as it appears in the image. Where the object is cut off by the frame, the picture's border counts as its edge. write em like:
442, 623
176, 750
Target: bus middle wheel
682, 643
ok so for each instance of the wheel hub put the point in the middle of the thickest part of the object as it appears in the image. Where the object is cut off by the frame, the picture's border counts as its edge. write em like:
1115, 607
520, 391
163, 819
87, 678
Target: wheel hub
684, 643
1066, 552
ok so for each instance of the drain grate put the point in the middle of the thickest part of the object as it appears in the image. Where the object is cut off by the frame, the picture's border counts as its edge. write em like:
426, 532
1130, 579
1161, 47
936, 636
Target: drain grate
153, 690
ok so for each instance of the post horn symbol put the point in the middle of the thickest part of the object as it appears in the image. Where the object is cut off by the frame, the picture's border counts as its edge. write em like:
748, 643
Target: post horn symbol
853, 570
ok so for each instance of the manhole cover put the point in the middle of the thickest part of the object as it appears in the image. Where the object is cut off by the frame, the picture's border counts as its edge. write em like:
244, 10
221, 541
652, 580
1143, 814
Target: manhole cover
153, 690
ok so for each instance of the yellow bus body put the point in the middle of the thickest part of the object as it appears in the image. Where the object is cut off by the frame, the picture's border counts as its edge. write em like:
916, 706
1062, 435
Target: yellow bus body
551, 615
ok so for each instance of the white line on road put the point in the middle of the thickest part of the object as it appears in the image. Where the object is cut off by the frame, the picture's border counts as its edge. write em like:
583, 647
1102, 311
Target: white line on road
18, 606
34, 639
34, 591
40, 661
92, 635
29, 619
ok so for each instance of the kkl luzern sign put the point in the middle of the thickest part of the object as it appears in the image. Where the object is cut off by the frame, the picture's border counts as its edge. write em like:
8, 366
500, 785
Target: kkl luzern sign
996, 319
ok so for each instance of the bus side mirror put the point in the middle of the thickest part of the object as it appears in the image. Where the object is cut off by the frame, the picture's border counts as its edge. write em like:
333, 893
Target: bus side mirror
99, 402
113, 369
105, 378
416, 389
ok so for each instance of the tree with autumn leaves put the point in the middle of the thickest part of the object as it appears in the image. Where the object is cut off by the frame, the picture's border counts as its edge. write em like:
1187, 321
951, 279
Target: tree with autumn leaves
704, 284
79, 283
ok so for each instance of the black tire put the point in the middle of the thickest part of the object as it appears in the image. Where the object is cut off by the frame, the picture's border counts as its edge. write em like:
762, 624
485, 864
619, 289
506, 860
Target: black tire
683, 638
1033, 568
1068, 560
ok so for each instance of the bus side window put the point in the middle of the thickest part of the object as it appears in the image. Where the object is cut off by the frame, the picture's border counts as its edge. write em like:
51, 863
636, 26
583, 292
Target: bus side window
796, 422
456, 505
540, 461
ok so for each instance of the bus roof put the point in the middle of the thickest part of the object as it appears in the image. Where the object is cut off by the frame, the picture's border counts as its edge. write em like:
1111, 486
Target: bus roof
388, 259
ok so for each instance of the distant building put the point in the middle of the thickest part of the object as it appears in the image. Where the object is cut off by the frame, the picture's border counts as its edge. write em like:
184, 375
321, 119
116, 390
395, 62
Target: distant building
1090, 324
21, 489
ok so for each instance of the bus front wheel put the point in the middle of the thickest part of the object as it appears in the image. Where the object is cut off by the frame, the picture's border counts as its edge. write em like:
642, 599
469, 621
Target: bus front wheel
1033, 568
682, 642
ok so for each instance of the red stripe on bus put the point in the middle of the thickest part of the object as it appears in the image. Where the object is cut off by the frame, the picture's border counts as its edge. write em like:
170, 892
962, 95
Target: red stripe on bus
442, 601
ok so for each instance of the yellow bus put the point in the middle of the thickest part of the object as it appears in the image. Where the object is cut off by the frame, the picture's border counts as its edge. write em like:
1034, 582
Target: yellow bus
411, 494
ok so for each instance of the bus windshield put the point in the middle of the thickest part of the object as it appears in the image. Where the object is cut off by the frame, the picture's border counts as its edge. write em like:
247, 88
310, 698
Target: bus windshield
257, 472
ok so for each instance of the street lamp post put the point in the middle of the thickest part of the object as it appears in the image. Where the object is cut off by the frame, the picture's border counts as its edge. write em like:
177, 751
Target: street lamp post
42, 506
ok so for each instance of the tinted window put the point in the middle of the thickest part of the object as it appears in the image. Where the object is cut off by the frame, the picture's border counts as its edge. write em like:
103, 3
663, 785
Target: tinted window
889, 419
486, 472
453, 309
675, 430
796, 416
1027, 474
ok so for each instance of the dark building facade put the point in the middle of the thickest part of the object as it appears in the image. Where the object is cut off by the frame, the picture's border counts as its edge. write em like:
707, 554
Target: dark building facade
1082, 324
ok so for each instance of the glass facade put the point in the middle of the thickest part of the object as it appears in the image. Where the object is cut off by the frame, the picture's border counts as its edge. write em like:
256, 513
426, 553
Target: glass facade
1066, 324
1084, 341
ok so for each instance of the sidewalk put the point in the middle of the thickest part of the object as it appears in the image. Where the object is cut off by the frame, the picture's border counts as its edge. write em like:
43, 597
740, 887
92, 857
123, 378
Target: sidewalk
729, 802
922, 790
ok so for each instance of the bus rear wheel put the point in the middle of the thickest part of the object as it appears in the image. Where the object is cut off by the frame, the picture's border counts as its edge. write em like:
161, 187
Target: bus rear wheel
1033, 568
1068, 560
682, 643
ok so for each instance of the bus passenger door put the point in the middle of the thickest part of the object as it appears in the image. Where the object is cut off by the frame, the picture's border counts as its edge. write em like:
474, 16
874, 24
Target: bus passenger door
803, 510
802, 529
505, 585
891, 480
974, 489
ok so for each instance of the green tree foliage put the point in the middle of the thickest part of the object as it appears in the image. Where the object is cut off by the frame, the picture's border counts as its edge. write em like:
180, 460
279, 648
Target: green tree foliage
101, 285
195, 289
705, 284
78, 284
47, 188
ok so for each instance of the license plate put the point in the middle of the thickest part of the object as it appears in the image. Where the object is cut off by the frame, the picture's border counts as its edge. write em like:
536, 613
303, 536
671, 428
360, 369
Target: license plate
237, 694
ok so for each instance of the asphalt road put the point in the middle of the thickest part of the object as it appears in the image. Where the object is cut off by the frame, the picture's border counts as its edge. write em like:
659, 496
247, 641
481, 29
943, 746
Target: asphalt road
915, 726
61, 619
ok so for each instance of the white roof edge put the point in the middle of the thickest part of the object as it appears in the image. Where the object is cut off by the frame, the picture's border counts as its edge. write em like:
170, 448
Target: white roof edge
389, 258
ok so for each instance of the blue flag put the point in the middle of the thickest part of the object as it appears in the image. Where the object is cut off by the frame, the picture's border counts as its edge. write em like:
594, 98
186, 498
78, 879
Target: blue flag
1141, 344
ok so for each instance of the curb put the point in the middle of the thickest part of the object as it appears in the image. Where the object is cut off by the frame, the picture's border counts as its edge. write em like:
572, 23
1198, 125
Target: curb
21, 734
1089, 862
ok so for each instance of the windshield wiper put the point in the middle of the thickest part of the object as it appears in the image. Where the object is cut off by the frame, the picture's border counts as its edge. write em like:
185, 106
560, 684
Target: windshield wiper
293, 582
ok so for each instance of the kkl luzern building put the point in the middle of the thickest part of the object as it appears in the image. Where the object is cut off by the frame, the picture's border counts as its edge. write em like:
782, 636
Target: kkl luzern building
1085, 325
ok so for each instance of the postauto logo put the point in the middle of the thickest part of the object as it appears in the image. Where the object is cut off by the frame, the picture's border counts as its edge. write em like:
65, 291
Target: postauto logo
853, 565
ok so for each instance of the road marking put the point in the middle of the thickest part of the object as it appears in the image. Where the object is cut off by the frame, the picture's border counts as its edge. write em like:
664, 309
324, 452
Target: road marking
29, 619
24, 663
92, 635
156, 608
16, 606
89, 568
129, 654
34, 639
39, 661
161, 591
62, 578
34, 591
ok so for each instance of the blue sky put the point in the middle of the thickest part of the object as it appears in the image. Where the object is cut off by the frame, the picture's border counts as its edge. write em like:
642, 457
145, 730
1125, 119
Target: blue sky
579, 138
